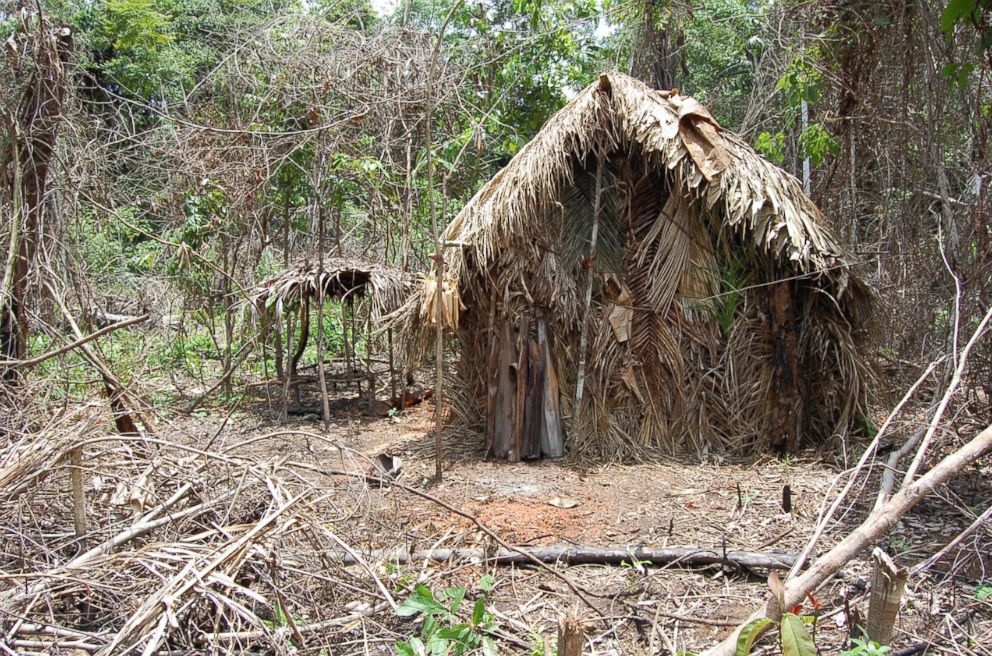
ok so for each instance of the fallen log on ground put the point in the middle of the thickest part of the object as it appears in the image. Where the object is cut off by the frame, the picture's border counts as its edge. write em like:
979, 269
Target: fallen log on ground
874, 527
587, 555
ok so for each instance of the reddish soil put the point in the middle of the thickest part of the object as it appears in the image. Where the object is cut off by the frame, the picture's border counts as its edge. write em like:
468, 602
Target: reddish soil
656, 505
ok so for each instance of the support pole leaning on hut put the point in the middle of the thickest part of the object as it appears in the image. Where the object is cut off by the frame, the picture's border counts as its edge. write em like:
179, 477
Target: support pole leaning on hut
438, 245
325, 404
580, 377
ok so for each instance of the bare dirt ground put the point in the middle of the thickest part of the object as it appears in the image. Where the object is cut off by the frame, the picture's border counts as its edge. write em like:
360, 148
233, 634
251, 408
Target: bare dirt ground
639, 609
230, 532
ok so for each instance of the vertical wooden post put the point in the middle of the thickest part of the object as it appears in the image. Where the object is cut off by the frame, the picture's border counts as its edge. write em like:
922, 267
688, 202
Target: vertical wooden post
438, 247
325, 404
369, 375
392, 369
552, 435
887, 583
288, 379
786, 402
571, 636
517, 450
78, 498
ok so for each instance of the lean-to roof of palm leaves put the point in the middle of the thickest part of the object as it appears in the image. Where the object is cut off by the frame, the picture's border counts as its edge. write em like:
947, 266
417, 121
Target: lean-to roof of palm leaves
764, 204
340, 277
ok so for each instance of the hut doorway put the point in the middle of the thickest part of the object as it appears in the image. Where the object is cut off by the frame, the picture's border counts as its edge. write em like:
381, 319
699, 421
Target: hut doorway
524, 414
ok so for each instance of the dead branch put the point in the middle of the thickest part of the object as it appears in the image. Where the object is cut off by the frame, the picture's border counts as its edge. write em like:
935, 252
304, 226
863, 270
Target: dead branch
589, 555
875, 526
158, 608
121, 403
952, 387
76, 344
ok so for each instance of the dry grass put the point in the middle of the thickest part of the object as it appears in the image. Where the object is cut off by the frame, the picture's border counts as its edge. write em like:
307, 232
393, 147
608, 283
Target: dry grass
222, 536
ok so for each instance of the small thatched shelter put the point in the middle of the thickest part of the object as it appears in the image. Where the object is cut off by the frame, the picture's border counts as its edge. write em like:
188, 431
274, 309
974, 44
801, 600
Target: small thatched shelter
296, 288
635, 257
340, 277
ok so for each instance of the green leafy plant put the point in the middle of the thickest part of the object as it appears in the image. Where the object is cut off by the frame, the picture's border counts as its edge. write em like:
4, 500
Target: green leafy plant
816, 143
794, 637
771, 146
733, 279
866, 647
984, 592
443, 632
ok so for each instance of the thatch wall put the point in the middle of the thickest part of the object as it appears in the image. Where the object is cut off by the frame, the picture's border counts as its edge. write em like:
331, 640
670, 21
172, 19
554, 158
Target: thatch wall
723, 315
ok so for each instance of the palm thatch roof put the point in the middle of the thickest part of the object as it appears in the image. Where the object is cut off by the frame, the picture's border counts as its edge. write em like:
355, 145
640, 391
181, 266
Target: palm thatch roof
695, 231
760, 201
339, 277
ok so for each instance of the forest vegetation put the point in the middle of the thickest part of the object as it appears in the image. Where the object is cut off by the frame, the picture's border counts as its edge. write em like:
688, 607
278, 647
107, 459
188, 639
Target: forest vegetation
213, 211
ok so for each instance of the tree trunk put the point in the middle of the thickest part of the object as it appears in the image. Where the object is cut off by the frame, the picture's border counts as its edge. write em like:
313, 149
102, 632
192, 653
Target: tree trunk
33, 138
657, 59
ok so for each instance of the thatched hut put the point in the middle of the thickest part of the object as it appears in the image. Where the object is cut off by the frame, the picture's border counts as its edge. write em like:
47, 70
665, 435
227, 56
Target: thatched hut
637, 282
294, 290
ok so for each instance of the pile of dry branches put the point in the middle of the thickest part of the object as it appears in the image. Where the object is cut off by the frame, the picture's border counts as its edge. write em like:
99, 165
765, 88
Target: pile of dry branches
179, 548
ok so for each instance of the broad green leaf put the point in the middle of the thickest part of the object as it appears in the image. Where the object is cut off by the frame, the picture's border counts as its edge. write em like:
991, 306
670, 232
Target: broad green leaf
421, 601
456, 632
415, 605
487, 582
478, 611
438, 646
455, 595
489, 646
955, 11
416, 647
796, 640
750, 634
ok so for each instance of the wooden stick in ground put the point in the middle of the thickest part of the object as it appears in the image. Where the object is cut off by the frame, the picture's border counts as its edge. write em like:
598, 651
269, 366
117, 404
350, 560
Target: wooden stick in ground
875, 526
78, 498
571, 636
887, 583
325, 404
438, 247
